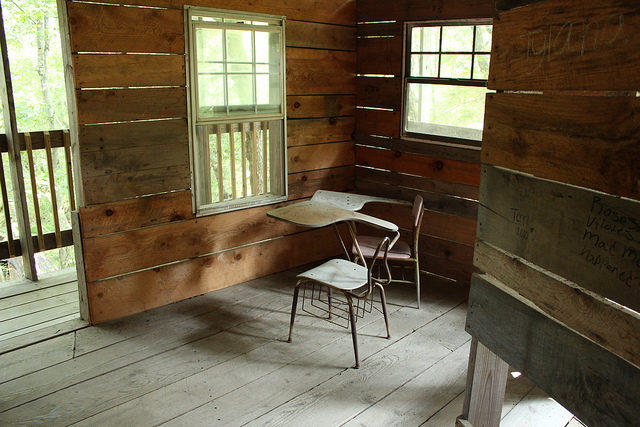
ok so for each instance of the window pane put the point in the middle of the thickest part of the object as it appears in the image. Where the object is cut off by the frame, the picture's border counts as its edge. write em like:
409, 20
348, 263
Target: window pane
456, 66
240, 89
425, 39
209, 43
481, 67
239, 46
267, 47
483, 38
210, 67
239, 68
452, 111
457, 39
268, 93
210, 94
424, 65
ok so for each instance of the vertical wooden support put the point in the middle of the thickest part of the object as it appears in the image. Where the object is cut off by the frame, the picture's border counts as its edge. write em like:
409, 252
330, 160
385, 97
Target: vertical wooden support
82, 278
232, 151
34, 190
486, 383
243, 154
254, 159
7, 211
265, 153
219, 174
52, 186
70, 86
67, 157
15, 161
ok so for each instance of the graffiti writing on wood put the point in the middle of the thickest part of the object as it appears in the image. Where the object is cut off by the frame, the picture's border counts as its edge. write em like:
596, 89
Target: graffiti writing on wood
574, 39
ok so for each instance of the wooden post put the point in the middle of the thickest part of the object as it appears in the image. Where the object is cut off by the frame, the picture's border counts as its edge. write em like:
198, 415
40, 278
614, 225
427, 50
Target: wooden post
232, 158
486, 383
265, 163
67, 62
67, 158
15, 161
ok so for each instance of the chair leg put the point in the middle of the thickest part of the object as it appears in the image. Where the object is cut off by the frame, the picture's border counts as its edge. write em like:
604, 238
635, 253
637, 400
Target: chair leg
329, 292
352, 317
383, 299
293, 308
417, 276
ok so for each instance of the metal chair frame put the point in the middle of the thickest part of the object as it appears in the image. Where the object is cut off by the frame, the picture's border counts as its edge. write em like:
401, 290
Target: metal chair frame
360, 294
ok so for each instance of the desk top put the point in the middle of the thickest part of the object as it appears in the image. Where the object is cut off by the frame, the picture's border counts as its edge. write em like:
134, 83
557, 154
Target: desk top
351, 202
315, 214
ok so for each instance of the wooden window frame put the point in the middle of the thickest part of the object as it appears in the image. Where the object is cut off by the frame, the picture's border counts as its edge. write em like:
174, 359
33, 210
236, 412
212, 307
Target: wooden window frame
273, 187
408, 79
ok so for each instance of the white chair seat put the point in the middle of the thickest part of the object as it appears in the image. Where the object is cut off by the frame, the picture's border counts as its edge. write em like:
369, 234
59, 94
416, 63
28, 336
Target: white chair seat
368, 245
339, 274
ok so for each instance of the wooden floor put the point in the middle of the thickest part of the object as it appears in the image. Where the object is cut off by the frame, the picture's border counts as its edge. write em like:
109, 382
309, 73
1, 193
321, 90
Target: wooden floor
222, 358
26, 307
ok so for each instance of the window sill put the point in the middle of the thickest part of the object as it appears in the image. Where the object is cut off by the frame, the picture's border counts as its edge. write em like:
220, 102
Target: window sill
231, 206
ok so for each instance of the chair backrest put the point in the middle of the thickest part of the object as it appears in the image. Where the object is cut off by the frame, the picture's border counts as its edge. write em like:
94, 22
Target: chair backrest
384, 247
417, 212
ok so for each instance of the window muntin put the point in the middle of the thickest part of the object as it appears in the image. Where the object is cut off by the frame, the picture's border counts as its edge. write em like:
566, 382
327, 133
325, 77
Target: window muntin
445, 79
237, 112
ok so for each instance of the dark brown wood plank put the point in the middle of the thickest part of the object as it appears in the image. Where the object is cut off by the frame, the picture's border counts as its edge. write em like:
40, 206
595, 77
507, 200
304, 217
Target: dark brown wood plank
380, 55
434, 201
135, 213
304, 184
119, 136
116, 105
590, 141
576, 372
163, 285
593, 317
328, 11
378, 122
316, 72
557, 45
379, 29
417, 10
113, 187
320, 36
320, 156
316, 131
314, 106
446, 268
381, 92
134, 159
108, 71
416, 164
446, 249
417, 182
590, 238
427, 148
175, 241
106, 28
511, 4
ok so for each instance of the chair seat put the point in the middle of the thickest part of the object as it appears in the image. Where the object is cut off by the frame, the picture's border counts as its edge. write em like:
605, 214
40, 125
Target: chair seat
339, 274
368, 245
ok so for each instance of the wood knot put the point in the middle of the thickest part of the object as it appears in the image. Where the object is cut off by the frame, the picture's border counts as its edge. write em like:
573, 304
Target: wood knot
296, 104
238, 257
438, 165
108, 212
397, 154
304, 178
333, 120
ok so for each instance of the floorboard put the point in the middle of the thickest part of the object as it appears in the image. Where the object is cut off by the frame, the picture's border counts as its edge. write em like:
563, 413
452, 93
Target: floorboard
222, 359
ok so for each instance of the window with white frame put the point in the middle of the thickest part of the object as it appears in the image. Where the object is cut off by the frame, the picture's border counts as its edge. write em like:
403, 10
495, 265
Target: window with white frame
237, 111
446, 71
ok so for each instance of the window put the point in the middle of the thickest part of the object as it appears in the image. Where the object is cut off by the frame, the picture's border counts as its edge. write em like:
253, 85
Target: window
237, 113
446, 70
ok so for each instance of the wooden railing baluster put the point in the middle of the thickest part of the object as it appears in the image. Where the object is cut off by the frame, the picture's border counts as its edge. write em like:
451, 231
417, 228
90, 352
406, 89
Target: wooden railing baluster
67, 157
219, 173
265, 138
254, 159
7, 212
243, 154
34, 190
52, 187
232, 157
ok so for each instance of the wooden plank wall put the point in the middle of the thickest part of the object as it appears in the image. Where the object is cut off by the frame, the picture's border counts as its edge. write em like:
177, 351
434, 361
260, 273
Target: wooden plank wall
446, 176
143, 247
559, 215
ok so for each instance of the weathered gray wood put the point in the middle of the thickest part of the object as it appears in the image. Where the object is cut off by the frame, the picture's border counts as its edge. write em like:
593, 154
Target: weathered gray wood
597, 386
486, 382
38, 356
590, 238
42, 304
431, 149
594, 317
536, 408
81, 275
